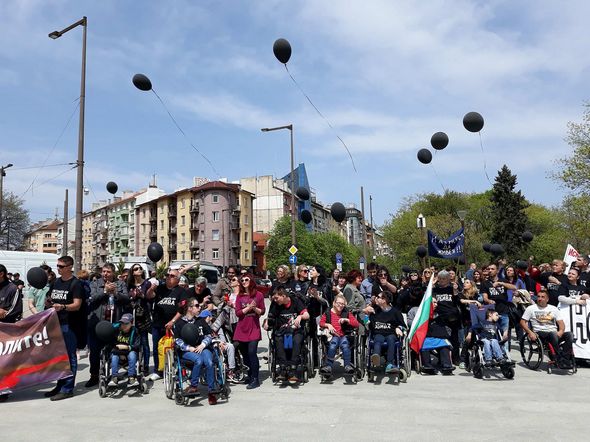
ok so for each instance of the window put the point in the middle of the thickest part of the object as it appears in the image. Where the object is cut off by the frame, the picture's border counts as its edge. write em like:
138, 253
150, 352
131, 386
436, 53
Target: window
246, 254
143, 228
215, 254
182, 206
215, 235
246, 219
161, 240
161, 209
215, 216
202, 254
182, 254
143, 212
255, 262
182, 219
202, 236
162, 224
182, 240
245, 236
215, 198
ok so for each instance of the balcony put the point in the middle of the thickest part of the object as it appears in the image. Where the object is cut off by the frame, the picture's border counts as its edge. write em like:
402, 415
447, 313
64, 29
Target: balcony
194, 245
234, 244
234, 225
172, 247
194, 206
172, 214
237, 209
172, 230
153, 233
194, 226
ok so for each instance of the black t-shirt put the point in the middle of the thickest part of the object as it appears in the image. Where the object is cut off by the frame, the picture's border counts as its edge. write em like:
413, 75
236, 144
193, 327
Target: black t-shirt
384, 322
498, 294
575, 290
190, 293
446, 302
64, 292
554, 290
203, 328
585, 279
283, 315
166, 304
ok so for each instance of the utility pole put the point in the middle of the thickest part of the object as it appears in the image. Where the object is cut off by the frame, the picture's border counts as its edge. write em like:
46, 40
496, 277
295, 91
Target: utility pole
65, 232
364, 230
372, 230
2, 175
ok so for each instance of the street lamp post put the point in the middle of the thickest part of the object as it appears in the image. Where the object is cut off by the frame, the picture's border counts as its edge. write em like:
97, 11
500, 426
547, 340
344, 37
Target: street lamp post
421, 224
80, 162
462, 214
2, 175
290, 128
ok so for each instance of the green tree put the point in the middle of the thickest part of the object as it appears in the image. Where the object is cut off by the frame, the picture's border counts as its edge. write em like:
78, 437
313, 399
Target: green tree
575, 213
549, 237
14, 222
509, 218
574, 171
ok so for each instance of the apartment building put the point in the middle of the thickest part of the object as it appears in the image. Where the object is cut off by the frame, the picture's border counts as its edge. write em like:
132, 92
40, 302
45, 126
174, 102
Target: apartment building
42, 237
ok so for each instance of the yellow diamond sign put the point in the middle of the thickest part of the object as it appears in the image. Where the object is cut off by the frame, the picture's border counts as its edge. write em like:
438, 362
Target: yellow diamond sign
293, 249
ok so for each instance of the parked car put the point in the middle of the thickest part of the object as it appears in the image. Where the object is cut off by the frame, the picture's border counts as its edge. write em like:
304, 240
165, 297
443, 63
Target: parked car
263, 285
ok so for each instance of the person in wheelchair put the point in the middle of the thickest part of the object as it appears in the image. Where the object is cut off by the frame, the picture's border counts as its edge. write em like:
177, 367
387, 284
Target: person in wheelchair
437, 338
127, 346
488, 333
547, 325
285, 318
338, 321
386, 324
200, 353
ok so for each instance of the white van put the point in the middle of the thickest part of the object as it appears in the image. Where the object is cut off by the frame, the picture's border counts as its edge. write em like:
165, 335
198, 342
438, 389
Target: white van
206, 269
22, 262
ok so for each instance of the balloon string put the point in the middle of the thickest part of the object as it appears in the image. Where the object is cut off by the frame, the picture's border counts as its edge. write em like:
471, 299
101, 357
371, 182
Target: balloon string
322, 115
438, 178
485, 166
185, 136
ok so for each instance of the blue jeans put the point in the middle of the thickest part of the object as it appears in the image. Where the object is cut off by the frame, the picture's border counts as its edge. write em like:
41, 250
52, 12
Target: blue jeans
67, 385
390, 340
503, 326
342, 343
157, 334
131, 361
145, 346
491, 348
199, 359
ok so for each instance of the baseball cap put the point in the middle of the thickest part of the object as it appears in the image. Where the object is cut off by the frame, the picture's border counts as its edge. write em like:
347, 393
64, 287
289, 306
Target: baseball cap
127, 318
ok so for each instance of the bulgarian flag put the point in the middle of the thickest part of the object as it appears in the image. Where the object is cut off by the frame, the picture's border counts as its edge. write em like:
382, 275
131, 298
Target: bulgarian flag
420, 323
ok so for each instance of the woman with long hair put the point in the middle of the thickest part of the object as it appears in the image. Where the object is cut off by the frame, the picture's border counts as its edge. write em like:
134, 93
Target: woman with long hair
384, 283
352, 293
249, 308
283, 279
477, 278
137, 287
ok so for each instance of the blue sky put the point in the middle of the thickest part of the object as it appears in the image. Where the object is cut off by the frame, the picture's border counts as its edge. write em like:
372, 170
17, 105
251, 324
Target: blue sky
386, 74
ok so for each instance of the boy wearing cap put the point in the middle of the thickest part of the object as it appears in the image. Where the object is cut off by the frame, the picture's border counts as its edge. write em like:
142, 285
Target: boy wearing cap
128, 342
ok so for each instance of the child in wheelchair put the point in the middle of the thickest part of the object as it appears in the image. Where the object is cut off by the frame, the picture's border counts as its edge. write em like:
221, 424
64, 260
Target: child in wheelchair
126, 349
338, 322
487, 332
386, 325
285, 318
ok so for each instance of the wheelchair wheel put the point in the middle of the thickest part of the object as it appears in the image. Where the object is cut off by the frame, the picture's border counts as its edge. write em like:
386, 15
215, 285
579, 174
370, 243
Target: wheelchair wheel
403, 375
179, 399
102, 387
143, 387
360, 359
508, 372
531, 352
169, 373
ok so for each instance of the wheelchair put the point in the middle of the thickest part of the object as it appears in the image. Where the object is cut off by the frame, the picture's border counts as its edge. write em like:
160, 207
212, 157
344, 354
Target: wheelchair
533, 353
402, 359
104, 373
177, 375
304, 364
356, 339
475, 362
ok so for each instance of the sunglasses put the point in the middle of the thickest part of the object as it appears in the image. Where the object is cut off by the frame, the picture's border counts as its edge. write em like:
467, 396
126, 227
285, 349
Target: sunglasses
305, 271
137, 268
171, 275
245, 279
62, 266
234, 279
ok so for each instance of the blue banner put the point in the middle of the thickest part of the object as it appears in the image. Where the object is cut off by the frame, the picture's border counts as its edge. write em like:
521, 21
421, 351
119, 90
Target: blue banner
450, 248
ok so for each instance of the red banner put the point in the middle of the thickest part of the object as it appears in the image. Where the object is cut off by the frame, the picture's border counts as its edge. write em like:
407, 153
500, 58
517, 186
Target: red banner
32, 352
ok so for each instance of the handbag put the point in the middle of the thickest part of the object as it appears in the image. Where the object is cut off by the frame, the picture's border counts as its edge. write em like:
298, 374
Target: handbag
165, 344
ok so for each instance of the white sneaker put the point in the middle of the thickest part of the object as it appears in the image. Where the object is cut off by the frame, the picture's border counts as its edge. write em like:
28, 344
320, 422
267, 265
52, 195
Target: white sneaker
154, 377
114, 382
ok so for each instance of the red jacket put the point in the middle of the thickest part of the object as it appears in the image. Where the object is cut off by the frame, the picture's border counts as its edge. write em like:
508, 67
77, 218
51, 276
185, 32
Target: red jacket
335, 321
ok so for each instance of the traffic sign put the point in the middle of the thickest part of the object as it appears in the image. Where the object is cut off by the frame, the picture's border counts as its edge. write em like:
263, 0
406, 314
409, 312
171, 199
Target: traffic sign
362, 263
293, 249
338, 258
293, 259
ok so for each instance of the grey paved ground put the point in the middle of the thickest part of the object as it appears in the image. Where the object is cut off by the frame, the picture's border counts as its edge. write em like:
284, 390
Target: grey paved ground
533, 406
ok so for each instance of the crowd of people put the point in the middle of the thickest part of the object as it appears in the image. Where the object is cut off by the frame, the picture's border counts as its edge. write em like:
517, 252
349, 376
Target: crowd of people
519, 299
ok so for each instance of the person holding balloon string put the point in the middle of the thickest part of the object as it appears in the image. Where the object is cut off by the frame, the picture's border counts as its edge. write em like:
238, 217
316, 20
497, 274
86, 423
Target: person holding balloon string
194, 340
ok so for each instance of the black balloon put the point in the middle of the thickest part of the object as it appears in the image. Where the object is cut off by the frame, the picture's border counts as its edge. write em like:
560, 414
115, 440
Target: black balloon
424, 156
37, 277
282, 50
496, 249
421, 251
439, 140
473, 122
155, 251
527, 236
306, 216
189, 333
112, 187
302, 193
406, 269
523, 265
461, 261
338, 212
141, 82
105, 332
487, 247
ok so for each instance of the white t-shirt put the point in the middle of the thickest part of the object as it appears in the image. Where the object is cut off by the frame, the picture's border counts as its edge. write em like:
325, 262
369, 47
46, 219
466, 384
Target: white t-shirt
542, 319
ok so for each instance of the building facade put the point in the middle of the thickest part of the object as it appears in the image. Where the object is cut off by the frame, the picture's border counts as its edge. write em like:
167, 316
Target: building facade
42, 237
